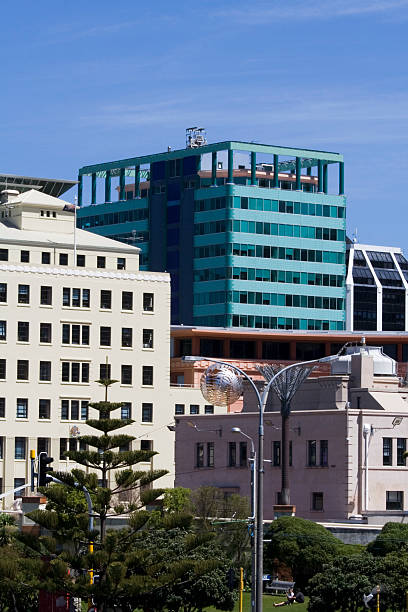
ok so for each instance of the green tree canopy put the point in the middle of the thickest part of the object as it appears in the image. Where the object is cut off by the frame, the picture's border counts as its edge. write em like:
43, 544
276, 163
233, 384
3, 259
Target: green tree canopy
304, 546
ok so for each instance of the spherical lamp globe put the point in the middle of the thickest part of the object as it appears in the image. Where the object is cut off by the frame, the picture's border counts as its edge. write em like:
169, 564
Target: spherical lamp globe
220, 385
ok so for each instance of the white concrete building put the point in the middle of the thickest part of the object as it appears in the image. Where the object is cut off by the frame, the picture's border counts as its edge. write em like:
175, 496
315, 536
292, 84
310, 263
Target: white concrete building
67, 314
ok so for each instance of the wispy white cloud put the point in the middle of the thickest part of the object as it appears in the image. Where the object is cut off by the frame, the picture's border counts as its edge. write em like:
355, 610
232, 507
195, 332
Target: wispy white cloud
276, 10
323, 116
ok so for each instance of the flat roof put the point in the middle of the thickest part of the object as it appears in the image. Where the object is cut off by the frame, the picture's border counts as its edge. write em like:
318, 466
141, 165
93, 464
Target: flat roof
53, 187
286, 334
228, 145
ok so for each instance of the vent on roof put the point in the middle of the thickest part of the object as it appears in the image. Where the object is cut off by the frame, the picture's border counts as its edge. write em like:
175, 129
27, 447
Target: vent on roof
6, 194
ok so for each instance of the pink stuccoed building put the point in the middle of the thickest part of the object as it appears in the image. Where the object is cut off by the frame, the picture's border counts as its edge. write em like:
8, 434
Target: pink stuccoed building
349, 432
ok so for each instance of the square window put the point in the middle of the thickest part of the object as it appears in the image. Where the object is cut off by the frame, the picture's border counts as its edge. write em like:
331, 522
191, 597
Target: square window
387, 451
63, 259
126, 375
106, 299
148, 338
3, 254
84, 410
147, 375
42, 446
243, 454
232, 454
394, 500
45, 257
23, 331
147, 413
45, 370
148, 302
45, 332
105, 336
317, 502
104, 371
80, 261
208, 409
127, 337
22, 408
24, 294
1, 457
126, 410
194, 409
210, 454
146, 445
44, 409
22, 369
24, 256
63, 448
2, 369
311, 453
401, 448
19, 452
2, 407
199, 454
3, 330
101, 262
179, 409
121, 263
127, 300
3, 292
324, 453
46, 296
19, 482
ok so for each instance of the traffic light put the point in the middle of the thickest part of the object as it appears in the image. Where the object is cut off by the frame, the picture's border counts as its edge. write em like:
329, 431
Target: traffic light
43, 462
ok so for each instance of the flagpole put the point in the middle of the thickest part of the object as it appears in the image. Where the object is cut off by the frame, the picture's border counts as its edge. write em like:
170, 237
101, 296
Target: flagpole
75, 222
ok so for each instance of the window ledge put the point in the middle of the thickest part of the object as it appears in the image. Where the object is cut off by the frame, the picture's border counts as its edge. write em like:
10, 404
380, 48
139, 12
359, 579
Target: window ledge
42, 382
126, 348
45, 305
22, 419
146, 423
18, 380
147, 386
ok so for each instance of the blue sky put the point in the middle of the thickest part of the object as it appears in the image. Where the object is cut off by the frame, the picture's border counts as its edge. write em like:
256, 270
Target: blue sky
93, 81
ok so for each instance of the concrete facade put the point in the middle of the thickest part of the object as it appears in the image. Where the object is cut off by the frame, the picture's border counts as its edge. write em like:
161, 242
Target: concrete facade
329, 475
62, 319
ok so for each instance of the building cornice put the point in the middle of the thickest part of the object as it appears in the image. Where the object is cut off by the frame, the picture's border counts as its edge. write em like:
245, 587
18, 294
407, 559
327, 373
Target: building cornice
56, 271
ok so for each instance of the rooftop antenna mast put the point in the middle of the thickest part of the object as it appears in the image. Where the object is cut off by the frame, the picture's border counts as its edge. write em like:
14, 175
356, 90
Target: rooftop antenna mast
195, 137
355, 236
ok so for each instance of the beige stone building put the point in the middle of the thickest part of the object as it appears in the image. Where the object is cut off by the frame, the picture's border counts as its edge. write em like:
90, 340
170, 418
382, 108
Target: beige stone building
74, 307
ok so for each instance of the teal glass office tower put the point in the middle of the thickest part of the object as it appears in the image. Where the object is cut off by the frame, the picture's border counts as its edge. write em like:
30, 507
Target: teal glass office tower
249, 232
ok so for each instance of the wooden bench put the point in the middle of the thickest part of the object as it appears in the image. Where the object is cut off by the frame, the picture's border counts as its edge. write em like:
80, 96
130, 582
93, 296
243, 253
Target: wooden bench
279, 586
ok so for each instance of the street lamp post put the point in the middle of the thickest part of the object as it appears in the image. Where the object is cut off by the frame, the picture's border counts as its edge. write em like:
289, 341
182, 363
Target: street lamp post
261, 399
238, 430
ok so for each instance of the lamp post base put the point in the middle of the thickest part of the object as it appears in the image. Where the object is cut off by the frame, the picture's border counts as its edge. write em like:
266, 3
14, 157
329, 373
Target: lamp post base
283, 510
